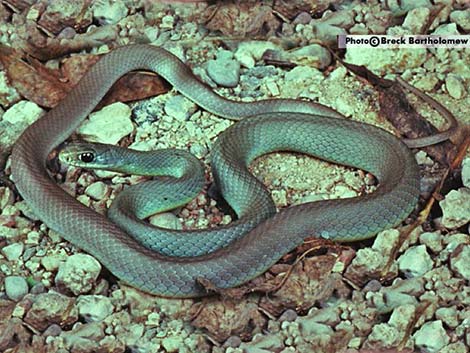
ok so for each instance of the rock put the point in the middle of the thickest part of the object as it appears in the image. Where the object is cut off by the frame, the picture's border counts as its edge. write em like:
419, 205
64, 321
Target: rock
109, 12
383, 335
417, 19
179, 107
448, 29
108, 125
460, 262
16, 287
327, 33
385, 60
172, 343
456, 208
78, 274
400, 8
415, 261
8, 95
168, 22
61, 14
98, 190
166, 220
431, 337
466, 172
249, 52
312, 55
51, 308
433, 241
448, 316
461, 19
23, 113
288, 315
94, 307
455, 87
301, 74
13, 251
224, 72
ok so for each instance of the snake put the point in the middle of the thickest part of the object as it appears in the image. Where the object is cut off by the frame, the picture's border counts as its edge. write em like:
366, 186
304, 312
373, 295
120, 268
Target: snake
261, 127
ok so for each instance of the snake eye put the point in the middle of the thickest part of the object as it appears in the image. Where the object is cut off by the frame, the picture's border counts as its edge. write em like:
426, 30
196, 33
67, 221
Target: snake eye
86, 157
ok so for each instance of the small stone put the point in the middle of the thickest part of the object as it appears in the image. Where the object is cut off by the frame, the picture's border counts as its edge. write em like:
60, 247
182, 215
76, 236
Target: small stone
78, 274
460, 262
224, 72
433, 241
98, 190
13, 251
313, 55
168, 22
166, 220
466, 172
107, 12
431, 337
250, 51
461, 18
94, 307
417, 19
455, 87
415, 261
456, 208
288, 315
108, 125
448, 316
172, 343
52, 262
16, 287
401, 7
23, 112
179, 107
51, 308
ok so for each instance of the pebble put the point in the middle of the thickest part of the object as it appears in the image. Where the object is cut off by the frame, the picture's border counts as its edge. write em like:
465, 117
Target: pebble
456, 208
431, 337
415, 261
13, 251
466, 172
94, 307
400, 8
51, 308
78, 274
23, 113
108, 125
455, 87
433, 241
172, 344
16, 287
449, 316
166, 220
249, 52
179, 107
417, 19
109, 12
460, 262
461, 18
224, 72
98, 190
313, 55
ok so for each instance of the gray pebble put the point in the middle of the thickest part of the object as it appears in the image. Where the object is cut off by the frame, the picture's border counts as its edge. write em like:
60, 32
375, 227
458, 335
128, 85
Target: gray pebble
16, 287
288, 315
13, 251
224, 72
415, 261
179, 107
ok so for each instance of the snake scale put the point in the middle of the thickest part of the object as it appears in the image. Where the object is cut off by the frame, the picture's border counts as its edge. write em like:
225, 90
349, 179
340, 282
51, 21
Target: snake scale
264, 126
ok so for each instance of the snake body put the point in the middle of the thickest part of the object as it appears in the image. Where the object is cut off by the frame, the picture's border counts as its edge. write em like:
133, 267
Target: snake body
269, 125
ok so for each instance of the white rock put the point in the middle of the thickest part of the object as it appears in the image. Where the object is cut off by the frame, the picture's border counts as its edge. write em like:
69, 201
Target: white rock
94, 307
224, 72
13, 251
172, 344
416, 19
460, 263
16, 287
431, 337
251, 51
415, 261
461, 18
456, 208
98, 190
312, 55
106, 12
455, 87
78, 274
179, 107
466, 172
109, 125
23, 112
166, 220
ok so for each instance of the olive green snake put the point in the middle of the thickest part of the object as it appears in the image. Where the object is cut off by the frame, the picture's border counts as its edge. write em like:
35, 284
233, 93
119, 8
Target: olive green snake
265, 126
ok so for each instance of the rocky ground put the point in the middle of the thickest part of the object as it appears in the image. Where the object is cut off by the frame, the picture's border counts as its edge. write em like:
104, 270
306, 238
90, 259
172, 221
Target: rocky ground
404, 291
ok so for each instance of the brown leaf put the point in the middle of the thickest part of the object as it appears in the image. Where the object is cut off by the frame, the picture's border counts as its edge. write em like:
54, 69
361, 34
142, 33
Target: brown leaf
223, 319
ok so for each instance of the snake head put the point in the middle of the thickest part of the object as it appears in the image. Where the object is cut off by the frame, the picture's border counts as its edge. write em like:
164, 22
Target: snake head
86, 155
